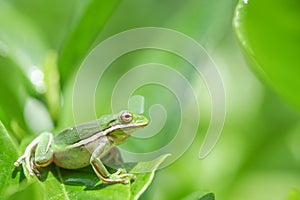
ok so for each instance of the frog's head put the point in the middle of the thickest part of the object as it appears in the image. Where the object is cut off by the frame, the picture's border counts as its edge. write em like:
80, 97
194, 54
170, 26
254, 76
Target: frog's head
129, 122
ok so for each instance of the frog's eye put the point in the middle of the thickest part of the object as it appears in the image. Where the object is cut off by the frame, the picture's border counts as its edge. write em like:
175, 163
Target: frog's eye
126, 117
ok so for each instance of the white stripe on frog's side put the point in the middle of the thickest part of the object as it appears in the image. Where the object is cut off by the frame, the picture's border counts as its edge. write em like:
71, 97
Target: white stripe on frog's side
104, 132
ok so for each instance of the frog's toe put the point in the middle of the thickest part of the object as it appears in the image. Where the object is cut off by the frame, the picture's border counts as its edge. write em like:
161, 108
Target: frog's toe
113, 180
131, 176
19, 161
118, 172
122, 176
36, 171
17, 164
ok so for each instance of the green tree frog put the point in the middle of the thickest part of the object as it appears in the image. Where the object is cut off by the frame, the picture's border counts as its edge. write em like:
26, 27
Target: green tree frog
83, 145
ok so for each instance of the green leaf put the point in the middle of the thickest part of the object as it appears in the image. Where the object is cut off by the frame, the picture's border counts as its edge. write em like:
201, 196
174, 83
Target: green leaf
20, 40
269, 33
58, 183
22, 50
143, 180
14, 94
209, 196
54, 18
83, 35
83, 184
25, 191
8, 152
200, 196
294, 195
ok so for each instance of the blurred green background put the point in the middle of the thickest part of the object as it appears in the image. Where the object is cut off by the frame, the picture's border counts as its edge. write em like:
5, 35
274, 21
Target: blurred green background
255, 45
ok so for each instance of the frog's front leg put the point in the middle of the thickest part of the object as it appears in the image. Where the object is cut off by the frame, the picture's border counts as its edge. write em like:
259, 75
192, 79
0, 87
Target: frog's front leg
113, 158
38, 153
103, 146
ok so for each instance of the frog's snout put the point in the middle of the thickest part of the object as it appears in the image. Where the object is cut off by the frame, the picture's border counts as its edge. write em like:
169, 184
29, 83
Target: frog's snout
142, 120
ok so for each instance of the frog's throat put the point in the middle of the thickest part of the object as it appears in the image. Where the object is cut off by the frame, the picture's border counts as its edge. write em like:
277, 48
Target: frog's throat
97, 135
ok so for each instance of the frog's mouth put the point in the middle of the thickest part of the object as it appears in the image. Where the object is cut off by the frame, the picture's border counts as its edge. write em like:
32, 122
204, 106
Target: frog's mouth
130, 126
127, 128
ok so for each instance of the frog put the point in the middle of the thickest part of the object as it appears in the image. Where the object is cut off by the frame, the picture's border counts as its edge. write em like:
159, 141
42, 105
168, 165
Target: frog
83, 145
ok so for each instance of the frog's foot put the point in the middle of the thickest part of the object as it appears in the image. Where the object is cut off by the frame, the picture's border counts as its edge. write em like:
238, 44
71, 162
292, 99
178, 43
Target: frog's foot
28, 158
28, 163
117, 177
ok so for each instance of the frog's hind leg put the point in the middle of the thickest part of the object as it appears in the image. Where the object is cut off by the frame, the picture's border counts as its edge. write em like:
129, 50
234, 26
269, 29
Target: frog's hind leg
43, 155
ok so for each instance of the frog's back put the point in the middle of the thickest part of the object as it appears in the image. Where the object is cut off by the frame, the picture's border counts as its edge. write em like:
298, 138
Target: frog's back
74, 134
